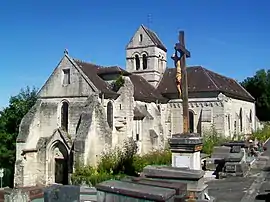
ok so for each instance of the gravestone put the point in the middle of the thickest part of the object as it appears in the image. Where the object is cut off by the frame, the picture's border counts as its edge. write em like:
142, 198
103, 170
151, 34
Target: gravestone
185, 150
236, 149
62, 193
242, 144
235, 165
88, 194
180, 188
120, 191
217, 158
193, 178
16, 195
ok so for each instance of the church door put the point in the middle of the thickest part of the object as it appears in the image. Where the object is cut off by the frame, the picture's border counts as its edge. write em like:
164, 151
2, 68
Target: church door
61, 171
60, 164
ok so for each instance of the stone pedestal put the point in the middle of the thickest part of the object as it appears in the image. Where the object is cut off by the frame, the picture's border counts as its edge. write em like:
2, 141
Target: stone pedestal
186, 149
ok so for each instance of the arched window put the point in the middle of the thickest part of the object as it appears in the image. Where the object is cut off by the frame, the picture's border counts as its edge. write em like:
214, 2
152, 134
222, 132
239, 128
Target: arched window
144, 61
162, 63
159, 109
141, 37
64, 116
241, 120
250, 116
110, 114
229, 122
137, 62
191, 121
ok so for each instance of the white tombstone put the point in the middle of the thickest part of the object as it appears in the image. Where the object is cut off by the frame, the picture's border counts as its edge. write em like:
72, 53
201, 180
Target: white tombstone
186, 151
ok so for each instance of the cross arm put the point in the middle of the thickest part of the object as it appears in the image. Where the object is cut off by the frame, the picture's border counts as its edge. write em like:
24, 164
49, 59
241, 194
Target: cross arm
179, 47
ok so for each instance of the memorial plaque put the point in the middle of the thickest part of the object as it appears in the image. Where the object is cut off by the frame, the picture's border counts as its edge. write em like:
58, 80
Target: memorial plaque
230, 168
234, 157
236, 149
182, 161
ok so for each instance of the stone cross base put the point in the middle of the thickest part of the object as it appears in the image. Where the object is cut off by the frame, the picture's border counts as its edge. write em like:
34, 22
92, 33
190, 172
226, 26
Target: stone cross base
186, 150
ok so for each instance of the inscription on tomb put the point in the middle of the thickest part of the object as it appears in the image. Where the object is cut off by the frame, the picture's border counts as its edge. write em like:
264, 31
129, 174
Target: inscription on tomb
182, 161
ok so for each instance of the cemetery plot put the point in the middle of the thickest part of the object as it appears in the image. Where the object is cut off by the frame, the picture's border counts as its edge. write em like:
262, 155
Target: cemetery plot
117, 191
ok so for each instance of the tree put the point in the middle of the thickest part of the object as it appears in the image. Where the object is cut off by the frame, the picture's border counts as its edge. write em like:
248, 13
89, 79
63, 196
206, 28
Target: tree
10, 119
259, 87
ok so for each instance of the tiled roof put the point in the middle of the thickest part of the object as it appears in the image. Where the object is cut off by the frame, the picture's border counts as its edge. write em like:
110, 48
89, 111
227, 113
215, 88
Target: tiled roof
90, 70
143, 91
111, 70
201, 80
153, 36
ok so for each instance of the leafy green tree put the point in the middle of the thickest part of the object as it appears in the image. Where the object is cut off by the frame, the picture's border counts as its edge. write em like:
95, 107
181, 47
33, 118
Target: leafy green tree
10, 118
259, 87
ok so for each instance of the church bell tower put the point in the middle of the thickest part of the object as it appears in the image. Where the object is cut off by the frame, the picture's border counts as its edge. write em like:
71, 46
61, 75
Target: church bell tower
146, 55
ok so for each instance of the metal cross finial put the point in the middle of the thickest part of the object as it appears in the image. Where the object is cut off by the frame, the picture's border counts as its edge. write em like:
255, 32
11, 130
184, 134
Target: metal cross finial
66, 51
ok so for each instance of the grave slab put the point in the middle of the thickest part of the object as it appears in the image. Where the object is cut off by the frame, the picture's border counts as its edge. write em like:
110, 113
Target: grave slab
62, 193
88, 194
16, 195
220, 152
180, 188
193, 178
118, 191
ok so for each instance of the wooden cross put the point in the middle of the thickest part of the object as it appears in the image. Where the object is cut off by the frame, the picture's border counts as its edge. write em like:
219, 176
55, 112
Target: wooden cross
181, 77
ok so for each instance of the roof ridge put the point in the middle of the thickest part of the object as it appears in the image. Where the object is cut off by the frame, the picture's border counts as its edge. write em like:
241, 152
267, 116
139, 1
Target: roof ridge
219, 74
154, 37
243, 89
89, 63
204, 70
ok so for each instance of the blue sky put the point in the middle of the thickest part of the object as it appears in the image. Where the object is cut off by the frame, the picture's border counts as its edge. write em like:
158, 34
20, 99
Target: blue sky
230, 37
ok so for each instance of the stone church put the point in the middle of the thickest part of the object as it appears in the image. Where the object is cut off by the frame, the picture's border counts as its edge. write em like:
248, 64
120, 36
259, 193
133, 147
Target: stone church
84, 108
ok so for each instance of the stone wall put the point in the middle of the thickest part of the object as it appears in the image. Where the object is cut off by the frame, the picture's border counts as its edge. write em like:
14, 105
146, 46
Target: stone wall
93, 134
222, 113
204, 111
233, 109
54, 86
123, 112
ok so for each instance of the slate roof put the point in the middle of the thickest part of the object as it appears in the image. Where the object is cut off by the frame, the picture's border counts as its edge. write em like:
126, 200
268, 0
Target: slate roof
143, 91
201, 80
201, 83
112, 70
153, 36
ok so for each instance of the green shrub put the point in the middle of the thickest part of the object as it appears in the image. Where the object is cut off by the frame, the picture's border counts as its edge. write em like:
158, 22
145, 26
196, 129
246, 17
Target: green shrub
118, 83
212, 138
90, 176
119, 162
263, 134
157, 157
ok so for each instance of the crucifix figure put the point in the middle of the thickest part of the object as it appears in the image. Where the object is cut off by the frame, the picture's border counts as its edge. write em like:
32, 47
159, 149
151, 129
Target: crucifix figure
181, 77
